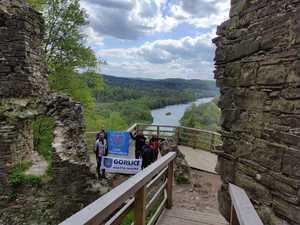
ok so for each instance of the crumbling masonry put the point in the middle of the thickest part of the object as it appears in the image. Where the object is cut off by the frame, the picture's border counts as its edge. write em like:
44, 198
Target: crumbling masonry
258, 72
25, 95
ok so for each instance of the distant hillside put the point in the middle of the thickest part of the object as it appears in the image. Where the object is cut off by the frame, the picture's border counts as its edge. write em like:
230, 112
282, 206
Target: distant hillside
125, 101
176, 90
174, 84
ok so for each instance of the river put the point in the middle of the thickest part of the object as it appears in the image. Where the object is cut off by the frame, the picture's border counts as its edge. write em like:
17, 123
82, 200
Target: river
177, 111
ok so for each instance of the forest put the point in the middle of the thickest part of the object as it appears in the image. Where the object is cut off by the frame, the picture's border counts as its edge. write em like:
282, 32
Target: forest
205, 116
130, 100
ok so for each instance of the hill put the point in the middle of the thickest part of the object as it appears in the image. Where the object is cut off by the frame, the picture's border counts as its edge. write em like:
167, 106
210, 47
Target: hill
125, 101
180, 90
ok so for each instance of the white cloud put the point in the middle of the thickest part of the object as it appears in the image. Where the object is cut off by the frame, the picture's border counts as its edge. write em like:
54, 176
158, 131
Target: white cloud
186, 58
201, 13
129, 19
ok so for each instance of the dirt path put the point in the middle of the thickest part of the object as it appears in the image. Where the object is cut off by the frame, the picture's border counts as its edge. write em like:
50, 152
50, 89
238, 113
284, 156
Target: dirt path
200, 195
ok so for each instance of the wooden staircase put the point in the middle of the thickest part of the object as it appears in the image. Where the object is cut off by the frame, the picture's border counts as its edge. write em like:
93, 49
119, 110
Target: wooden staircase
181, 216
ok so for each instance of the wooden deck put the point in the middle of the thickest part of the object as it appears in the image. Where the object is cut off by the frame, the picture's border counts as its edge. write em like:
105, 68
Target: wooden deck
181, 216
199, 159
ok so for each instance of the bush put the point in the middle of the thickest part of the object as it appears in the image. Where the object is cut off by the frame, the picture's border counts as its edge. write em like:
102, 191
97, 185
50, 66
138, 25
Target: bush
181, 180
18, 177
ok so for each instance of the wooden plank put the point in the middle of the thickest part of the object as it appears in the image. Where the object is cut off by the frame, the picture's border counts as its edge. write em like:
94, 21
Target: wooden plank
200, 130
99, 210
196, 216
139, 206
178, 219
170, 177
244, 209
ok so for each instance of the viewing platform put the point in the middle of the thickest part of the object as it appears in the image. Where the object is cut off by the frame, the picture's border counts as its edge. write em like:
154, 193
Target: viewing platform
149, 195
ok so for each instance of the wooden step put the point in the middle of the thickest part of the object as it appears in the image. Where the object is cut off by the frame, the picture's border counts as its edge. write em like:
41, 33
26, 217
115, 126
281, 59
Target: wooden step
181, 216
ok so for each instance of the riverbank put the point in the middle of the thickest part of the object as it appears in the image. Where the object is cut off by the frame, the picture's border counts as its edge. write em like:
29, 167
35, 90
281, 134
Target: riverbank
177, 111
205, 116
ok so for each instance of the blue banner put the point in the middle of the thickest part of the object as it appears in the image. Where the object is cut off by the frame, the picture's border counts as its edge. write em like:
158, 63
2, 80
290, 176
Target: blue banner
118, 142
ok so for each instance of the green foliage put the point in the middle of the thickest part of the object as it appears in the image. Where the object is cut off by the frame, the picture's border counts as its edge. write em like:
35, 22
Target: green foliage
157, 92
65, 49
115, 122
64, 41
43, 128
181, 180
134, 98
36, 4
205, 116
17, 176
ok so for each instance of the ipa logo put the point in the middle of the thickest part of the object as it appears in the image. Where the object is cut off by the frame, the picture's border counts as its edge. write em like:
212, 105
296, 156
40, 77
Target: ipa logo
108, 162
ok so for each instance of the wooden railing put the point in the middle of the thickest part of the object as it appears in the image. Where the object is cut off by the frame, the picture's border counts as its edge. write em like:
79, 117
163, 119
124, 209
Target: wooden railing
242, 210
132, 195
191, 137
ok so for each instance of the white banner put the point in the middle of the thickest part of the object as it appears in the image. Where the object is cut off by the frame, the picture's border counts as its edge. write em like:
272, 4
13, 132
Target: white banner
119, 165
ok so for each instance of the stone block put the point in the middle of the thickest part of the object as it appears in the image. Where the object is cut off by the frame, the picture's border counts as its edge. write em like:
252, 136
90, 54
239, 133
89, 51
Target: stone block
268, 154
272, 75
256, 191
291, 163
286, 210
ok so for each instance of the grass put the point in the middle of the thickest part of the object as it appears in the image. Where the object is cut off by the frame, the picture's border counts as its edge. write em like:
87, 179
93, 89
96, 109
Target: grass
18, 177
43, 129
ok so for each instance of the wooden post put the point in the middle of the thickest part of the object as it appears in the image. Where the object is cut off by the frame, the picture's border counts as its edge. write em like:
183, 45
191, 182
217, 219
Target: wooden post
177, 135
157, 132
170, 185
233, 217
139, 207
212, 142
195, 137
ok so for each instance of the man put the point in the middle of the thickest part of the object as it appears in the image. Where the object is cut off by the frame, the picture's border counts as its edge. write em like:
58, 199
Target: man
100, 150
102, 131
155, 142
147, 155
139, 142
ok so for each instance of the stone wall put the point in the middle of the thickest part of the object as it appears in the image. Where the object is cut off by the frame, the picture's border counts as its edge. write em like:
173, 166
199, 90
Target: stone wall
24, 96
258, 72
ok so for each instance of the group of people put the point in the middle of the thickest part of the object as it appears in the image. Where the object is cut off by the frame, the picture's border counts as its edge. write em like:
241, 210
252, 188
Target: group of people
147, 150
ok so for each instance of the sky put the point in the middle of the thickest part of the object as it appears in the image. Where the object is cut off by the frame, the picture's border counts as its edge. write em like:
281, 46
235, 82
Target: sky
155, 38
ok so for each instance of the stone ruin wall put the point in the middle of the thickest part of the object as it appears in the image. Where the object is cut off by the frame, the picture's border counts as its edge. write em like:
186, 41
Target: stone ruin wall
258, 72
24, 96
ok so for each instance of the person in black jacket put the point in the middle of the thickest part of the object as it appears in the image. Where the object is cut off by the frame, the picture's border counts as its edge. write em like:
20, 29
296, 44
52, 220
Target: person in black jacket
148, 155
139, 142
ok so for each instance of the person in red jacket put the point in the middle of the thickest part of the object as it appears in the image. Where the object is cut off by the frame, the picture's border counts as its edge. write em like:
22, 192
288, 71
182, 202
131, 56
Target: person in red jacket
155, 142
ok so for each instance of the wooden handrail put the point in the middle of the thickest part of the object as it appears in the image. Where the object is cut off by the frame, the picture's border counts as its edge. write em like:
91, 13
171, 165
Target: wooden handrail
192, 137
100, 210
242, 210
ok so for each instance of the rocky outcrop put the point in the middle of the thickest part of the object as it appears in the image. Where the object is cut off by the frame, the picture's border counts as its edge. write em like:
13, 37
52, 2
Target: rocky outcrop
24, 96
258, 72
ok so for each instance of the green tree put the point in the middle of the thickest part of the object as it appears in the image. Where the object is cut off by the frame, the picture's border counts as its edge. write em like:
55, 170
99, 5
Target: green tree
115, 122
